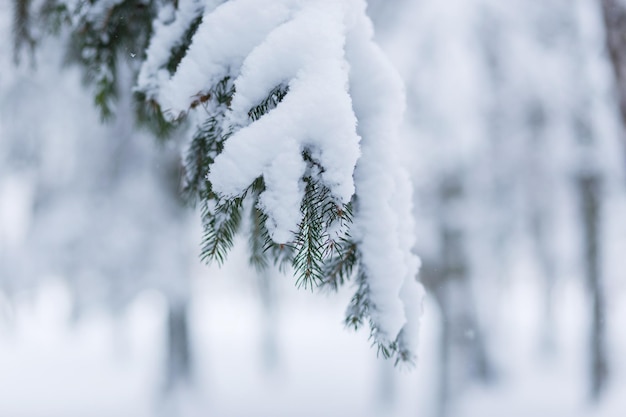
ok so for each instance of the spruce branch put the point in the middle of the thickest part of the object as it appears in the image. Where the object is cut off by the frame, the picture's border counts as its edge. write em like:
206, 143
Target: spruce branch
53, 15
340, 266
180, 49
263, 250
403, 353
207, 143
106, 91
149, 115
321, 234
275, 96
308, 245
221, 224
359, 306
258, 241
98, 37
23, 37
360, 311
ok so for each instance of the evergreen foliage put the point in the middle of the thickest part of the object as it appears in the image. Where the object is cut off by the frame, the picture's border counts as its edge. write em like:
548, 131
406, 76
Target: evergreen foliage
263, 250
160, 36
340, 266
149, 115
276, 95
179, 50
207, 142
321, 233
360, 308
101, 33
22, 36
221, 223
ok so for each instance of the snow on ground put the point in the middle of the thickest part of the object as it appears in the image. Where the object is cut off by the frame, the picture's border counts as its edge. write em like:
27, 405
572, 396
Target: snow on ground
49, 367
97, 366
537, 381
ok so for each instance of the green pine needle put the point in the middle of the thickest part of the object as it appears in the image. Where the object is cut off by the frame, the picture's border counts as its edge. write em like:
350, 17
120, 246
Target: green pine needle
178, 51
220, 227
275, 96
315, 242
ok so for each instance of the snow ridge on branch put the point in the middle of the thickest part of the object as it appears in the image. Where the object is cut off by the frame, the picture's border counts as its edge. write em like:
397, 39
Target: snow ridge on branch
331, 132
296, 114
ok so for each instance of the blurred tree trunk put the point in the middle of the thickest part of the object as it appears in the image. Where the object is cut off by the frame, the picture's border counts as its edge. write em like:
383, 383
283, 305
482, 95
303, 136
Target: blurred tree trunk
614, 13
463, 354
541, 207
589, 179
589, 189
540, 224
178, 365
22, 36
269, 348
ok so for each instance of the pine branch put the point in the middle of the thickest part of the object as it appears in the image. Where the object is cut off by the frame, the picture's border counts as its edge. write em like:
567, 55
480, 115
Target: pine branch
220, 227
207, 143
148, 114
360, 310
404, 355
178, 51
258, 240
99, 36
359, 307
276, 95
321, 235
106, 92
308, 244
263, 250
22, 30
54, 16
386, 350
339, 267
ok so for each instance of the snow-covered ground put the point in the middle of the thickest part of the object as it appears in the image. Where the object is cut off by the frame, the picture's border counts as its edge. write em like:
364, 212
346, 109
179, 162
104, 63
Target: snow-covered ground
98, 366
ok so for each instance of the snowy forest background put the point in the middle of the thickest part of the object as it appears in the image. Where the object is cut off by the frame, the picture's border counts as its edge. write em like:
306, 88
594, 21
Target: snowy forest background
515, 142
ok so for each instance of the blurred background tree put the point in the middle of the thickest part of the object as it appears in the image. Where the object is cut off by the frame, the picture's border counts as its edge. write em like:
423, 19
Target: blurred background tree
512, 115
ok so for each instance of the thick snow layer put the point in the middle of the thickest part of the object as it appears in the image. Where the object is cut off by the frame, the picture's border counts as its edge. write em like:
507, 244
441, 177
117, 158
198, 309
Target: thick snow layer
226, 36
168, 29
343, 108
383, 219
338, 122
315, 116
